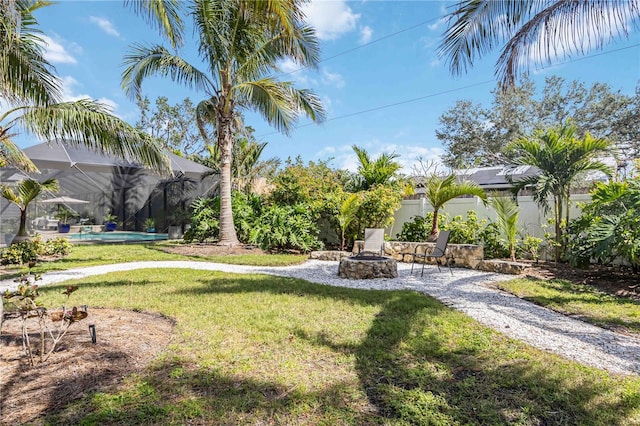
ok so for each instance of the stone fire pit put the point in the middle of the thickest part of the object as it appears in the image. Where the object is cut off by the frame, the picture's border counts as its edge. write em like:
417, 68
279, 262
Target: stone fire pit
366, 267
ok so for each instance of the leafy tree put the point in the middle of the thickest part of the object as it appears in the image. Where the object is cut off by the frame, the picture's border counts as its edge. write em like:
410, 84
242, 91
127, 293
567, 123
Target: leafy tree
379, 171
33, 93
507, 220
173, 125
240, 43
314, 184
27, 191
534, 31
474, 135
441, 189
560, 157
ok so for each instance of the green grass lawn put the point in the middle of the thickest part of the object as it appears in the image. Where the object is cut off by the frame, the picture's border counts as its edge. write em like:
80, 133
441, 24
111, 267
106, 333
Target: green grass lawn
583, 301
103, 254
254, 349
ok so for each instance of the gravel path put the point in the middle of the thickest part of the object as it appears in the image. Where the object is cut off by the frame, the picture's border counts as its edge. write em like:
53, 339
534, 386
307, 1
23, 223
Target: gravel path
464, 291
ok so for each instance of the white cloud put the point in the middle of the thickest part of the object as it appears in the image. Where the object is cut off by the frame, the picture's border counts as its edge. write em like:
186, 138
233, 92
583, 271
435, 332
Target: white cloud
332, 79
69, 94
56, 52
331, 19
345, 158
105, 25
435, 63
437, 25
365, 34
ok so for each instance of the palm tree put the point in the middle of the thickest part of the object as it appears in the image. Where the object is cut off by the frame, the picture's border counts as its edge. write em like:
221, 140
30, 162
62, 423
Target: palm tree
27, 191
347, 214
441, 189
246, 166
532, 30
507, 219
560, 157
240, 43
380, 171
33, 96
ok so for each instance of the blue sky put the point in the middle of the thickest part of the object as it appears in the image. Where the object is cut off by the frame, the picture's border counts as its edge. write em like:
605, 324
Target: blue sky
375, 54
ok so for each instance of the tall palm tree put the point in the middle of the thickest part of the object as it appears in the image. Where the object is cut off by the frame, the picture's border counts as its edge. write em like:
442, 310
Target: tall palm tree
560, 157
532, 31
27, 191
33, 93
240, 43
439, 190
246, 165
381, 170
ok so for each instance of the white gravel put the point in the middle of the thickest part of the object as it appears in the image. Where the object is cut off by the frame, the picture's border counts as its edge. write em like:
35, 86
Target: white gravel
464, 291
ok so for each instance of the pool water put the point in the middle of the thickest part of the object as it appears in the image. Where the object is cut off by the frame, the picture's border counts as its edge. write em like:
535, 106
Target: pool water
116, 236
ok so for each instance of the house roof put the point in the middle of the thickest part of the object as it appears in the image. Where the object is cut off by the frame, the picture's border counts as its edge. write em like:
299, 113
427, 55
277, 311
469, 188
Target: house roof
59, 155
488, 178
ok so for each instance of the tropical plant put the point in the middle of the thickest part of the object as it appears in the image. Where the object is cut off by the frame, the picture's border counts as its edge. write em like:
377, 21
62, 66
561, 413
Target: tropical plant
240, 43
379, 171
149, 223
507, 213
609, 227
32, 95
560, 157
27, 191
441, 189
204, 219
347, 214
534, 31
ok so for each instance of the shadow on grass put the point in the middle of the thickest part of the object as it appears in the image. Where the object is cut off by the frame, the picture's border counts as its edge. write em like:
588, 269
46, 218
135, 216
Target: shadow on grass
568, 295
419, 363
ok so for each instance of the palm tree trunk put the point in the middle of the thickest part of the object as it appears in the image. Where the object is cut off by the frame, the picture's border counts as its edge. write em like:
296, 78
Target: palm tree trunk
433, 235
558, 227
228, 235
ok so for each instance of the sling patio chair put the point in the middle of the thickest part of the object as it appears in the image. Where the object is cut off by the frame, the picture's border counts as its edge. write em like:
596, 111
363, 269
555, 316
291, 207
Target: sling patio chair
438, 252
373, 242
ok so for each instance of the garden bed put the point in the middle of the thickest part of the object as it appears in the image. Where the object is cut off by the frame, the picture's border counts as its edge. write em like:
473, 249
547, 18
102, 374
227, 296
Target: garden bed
126, 342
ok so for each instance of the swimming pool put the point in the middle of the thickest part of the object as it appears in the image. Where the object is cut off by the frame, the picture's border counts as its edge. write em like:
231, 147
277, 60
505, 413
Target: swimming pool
119, 236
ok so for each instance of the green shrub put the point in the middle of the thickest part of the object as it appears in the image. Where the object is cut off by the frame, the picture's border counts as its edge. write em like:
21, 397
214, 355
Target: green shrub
419, 227
20, 253
465, 231
285, 228
492, 242
205, 223
57, 247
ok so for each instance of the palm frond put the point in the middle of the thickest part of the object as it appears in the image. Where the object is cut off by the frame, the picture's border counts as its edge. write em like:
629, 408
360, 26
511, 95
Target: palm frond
142, 62
91, 124
273, 100
12, 155
164, 15
25, 75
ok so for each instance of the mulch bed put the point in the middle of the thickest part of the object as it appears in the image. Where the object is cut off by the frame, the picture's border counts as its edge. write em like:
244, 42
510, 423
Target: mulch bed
126, 342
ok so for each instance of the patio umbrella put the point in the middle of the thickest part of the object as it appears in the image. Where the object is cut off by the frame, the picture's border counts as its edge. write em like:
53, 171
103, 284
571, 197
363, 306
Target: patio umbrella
64, 200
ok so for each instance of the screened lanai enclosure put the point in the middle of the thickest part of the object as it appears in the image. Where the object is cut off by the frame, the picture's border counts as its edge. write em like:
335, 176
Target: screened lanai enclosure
96, 184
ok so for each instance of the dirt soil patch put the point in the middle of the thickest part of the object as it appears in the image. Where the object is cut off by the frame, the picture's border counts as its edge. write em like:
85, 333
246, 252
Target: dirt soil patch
126, 342
207, 250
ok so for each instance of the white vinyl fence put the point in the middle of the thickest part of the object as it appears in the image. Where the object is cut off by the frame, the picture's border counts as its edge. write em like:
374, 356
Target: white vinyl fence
531, 216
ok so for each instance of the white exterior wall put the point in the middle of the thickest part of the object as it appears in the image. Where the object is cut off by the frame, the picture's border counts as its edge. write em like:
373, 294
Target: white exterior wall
531, 217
